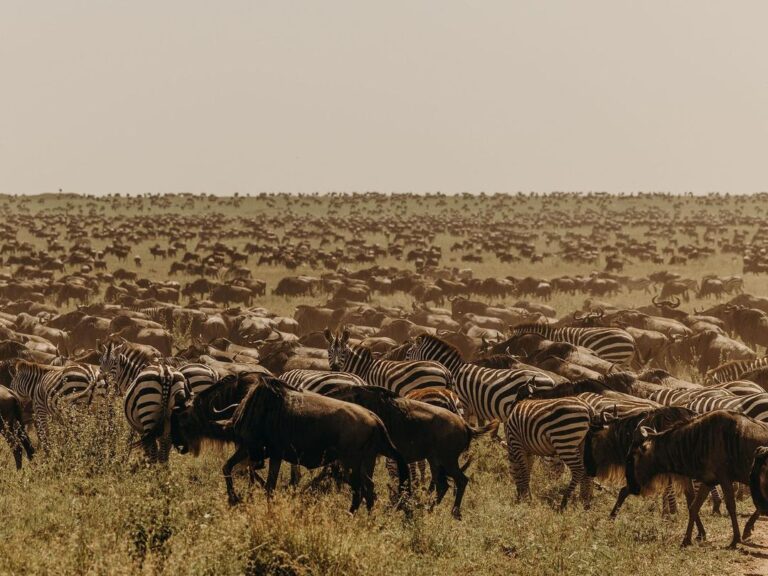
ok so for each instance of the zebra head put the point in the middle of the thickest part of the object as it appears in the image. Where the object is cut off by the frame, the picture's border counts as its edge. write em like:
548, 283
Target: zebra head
415, 351
338, 349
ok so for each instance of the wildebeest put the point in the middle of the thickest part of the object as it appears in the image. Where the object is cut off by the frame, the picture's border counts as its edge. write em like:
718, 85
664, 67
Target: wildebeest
12, 425
280, 422
421, 432
609, 440
716, 448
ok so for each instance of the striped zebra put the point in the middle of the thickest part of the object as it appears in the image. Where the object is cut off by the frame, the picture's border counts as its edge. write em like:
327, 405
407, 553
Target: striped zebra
52, 389
734, 370
398, 376
549, 428
611, 344
122, 361
682, 396
320, 381
148, 404
755, 405
199, 377
739, 387
489, 393
733, 284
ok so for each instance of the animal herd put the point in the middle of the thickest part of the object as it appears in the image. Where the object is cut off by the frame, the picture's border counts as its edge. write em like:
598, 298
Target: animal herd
660, 398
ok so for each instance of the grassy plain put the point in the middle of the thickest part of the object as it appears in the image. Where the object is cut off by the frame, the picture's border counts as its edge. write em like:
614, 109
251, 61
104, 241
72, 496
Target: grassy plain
86, 510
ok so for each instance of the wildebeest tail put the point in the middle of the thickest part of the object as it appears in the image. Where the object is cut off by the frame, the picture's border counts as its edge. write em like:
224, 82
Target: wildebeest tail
386, 448
491, 427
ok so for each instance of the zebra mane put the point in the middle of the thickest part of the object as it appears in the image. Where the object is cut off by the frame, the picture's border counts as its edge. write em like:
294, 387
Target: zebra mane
448, 346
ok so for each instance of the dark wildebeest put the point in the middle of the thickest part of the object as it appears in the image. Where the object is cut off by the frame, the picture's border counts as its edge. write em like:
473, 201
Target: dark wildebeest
279, 422
12, 425
421, 432
609, 440
716, 448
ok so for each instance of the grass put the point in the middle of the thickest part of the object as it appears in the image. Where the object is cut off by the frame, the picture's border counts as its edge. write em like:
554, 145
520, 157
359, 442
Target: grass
92, 507
65, 514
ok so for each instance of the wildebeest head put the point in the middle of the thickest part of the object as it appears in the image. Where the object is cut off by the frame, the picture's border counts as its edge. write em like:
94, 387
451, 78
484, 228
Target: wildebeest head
338, 349
639, 468
758, 479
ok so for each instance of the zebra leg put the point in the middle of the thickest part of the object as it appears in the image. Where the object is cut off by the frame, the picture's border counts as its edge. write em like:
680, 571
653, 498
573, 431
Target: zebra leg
730, 505
574, 462
716, 501
165, 448
693, 512
519, 463
668, 501
41, 426
150, 448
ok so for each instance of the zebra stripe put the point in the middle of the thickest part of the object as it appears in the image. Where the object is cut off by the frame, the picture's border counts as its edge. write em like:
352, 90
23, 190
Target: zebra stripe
148, 403
555, 427
320, 381
51, 389
199, 377
122, 362
734, 370
611, 344
755, 405
487, 392
682, 396
398, 376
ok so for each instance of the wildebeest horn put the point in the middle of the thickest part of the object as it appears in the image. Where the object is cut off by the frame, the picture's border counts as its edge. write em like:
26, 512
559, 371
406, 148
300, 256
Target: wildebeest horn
230, 407
647, 432
655, 301
577, 317
676, 302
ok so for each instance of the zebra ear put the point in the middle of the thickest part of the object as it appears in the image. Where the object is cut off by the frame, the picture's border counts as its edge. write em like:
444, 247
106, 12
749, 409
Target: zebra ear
328, 335
345, 336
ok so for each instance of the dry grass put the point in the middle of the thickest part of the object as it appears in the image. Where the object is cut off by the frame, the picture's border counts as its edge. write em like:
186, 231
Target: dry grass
93, 508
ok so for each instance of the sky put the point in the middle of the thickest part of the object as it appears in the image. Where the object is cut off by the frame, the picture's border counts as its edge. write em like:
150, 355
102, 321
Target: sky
248, 96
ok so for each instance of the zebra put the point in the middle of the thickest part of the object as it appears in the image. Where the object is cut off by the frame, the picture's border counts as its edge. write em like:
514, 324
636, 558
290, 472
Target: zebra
611, 344
487, 392
551, 427
320, 381
148, 403
50, 389
755, 405
682, 396
734, 370
398, 376
733, 284
199, 377
122, 361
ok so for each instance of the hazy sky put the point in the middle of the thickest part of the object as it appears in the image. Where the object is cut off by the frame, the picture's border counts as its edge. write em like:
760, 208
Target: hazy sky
241, 95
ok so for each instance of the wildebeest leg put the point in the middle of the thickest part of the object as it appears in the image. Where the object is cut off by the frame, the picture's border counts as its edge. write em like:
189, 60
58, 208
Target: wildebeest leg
14, 445
441, 482
369, 493
623, 493
693, 511
295, 475
750, 524
689, 495
355, 481
273, 474
730, 505
254, 477
460, 485
240, 454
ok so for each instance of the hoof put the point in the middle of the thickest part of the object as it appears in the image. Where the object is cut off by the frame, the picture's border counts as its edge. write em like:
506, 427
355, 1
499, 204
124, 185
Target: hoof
686, 543
456, 514
234, 500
